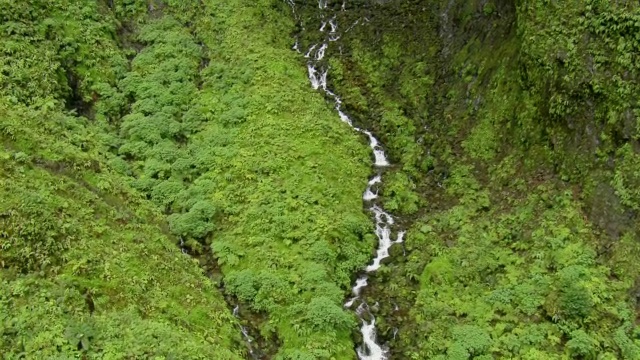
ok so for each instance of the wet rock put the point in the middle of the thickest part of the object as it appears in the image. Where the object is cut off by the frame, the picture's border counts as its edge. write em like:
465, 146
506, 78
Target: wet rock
608, 213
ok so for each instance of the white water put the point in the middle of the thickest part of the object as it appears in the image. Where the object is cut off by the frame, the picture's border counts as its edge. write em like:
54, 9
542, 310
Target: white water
248, 339
320, 53
370, 349
381, 160
374, 351
333, 24
317, 80
296, 46
360, 283
368, 194
245, 334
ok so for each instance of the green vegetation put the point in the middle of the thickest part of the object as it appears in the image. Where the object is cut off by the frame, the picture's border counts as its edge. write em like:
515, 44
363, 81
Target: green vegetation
132, 128
514, 125
88, 268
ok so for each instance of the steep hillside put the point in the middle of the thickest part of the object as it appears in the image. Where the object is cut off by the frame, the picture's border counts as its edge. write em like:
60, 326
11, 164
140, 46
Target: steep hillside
133, 128
165, 165
515, 124
89, 268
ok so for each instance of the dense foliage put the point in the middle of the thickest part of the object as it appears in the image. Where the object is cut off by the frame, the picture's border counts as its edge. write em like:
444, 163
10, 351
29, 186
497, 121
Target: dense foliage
88, 267
132, 126
132, 129
515, 127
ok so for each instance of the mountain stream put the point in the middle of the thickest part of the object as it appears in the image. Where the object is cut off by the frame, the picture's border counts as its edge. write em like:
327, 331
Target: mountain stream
385, 224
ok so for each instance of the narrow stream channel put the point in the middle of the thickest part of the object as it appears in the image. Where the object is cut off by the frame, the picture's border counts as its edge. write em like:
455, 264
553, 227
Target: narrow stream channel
246, 336
386, 228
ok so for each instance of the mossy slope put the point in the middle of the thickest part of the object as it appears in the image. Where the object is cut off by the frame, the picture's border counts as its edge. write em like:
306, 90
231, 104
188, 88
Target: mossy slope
131, 127
88, 267
518, 177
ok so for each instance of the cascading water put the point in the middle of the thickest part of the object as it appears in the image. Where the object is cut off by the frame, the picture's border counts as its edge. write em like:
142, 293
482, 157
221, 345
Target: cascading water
370, 349
246, 336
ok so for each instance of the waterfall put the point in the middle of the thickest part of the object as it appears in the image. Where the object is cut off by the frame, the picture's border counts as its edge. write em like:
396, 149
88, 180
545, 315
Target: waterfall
384, 222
